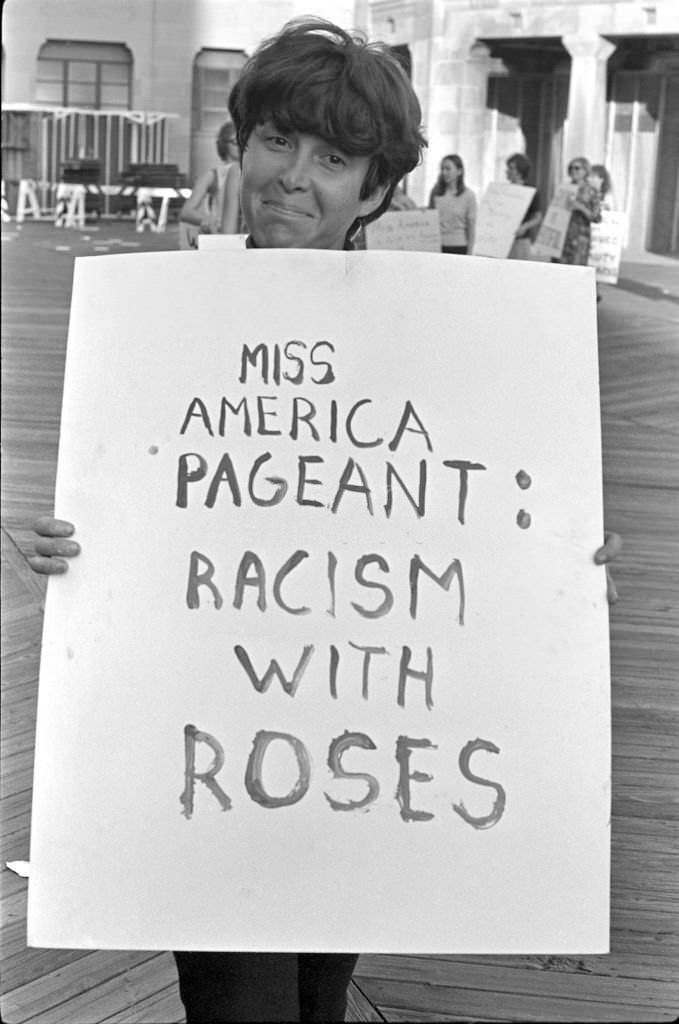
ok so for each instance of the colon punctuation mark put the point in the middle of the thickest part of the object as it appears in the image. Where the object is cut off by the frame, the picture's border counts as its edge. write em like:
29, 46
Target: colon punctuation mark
523, 518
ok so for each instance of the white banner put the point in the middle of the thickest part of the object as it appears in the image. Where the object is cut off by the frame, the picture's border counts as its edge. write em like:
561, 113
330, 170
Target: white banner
221, 241
606, 248
405, 230
501, 211
552, 233
331, 672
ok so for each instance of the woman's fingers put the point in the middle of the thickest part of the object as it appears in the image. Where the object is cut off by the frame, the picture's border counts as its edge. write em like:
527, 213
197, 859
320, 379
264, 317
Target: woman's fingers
56, 546
610, 549
48, 526
46, 566
611, 589
53, 546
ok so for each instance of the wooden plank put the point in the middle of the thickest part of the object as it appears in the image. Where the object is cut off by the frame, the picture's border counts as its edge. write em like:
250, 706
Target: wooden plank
31, 964
465, 1003
98, 984
164, 1007
556, 979
359, 1007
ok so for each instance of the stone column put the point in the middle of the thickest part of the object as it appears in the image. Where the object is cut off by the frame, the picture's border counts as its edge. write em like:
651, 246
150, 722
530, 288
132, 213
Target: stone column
586, 128
456, 116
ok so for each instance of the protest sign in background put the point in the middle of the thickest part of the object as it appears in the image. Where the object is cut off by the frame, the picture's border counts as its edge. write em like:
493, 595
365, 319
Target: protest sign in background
331, 671
552, 233
405, 230
606, 247
501, 210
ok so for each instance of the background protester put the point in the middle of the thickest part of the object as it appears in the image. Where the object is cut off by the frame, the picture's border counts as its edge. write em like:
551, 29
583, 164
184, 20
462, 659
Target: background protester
456, 205
213, 208
585, 211
600, 179
518, 172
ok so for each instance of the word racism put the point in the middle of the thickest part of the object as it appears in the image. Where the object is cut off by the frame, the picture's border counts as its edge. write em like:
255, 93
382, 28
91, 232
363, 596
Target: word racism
299, 419
293, 364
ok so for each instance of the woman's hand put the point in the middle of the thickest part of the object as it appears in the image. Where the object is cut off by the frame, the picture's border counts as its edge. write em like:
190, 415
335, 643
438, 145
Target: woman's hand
53, 546
209, 225
610, 550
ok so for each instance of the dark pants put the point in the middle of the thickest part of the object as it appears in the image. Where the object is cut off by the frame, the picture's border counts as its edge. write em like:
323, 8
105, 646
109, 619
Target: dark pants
221, 987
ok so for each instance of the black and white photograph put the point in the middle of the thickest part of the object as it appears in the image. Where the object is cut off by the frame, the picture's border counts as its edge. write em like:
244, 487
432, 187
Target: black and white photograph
340, 508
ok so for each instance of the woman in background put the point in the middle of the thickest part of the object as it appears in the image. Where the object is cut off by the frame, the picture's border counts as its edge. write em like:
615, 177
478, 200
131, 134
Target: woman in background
600, 179
456, 205
585, 211
213, 206
518, 170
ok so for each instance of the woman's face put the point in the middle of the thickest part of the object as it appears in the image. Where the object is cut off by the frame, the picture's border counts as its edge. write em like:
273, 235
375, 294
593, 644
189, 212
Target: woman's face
299, 191
513, 175
595, 180
450, 172
578, 172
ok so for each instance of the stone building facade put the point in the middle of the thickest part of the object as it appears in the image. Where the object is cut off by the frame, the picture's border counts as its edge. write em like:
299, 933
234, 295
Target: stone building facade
122, 81
554, 79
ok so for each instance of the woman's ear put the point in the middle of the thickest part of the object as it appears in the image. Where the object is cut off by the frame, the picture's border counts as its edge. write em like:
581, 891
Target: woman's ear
373, 201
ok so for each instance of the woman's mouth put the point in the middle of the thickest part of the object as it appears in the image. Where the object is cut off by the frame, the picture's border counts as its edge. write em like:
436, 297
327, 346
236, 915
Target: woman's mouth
284, 210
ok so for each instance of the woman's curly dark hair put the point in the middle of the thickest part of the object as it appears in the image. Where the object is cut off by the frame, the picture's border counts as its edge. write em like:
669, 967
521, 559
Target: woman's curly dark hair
316, 78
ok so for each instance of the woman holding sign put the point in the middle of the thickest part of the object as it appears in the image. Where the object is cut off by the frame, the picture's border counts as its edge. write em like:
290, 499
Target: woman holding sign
327, 128
518, 171
456, 205
585, 211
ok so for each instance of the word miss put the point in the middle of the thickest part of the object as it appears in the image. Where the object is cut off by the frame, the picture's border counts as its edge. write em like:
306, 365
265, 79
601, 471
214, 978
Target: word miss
258, 792
269, 361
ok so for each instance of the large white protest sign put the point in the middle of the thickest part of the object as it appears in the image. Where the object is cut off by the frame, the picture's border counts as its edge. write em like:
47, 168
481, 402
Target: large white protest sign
552, 233
501, 210
331, 671
606, 246
405, 230
221, 241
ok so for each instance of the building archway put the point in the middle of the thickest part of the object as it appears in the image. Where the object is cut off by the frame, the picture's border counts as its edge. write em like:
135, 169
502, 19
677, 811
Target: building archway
527, 104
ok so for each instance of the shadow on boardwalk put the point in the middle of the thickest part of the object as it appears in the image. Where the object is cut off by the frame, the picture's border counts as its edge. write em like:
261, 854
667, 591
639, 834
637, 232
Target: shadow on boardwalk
638, 980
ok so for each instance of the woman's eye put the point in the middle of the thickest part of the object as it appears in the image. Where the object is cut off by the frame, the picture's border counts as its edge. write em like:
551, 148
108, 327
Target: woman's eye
277, 141
335, 160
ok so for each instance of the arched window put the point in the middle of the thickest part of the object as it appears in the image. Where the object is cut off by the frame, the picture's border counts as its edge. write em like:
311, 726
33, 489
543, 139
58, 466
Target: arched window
215, 73
97, 76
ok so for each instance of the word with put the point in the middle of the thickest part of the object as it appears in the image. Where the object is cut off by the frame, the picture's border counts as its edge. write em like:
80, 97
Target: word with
193, 468
261, 682
251, 573
271, 362
257, 791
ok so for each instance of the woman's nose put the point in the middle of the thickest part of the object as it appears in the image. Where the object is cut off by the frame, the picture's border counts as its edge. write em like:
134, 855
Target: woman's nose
296, 174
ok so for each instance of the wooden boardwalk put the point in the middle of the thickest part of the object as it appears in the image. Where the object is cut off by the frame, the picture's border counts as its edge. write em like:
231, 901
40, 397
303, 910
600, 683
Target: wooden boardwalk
638, 981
